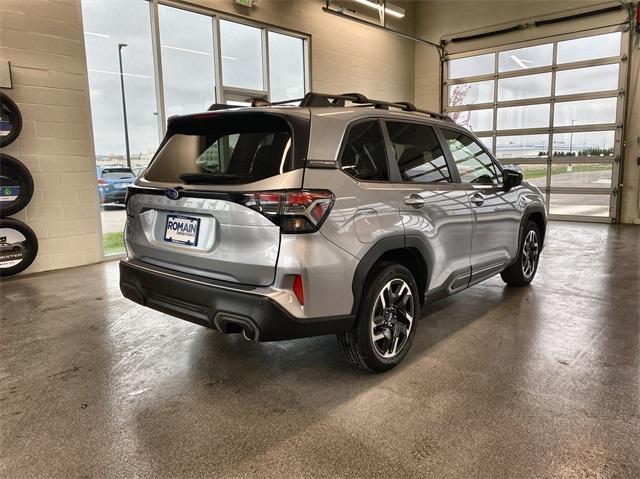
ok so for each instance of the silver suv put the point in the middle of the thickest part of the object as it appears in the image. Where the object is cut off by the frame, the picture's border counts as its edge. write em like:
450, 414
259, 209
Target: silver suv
340, 214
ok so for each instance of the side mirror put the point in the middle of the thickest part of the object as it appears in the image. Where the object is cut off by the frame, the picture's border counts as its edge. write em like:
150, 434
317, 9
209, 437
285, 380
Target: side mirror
511, 178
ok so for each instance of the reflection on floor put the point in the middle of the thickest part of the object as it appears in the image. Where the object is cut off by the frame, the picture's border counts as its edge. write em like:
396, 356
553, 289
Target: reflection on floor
533, 382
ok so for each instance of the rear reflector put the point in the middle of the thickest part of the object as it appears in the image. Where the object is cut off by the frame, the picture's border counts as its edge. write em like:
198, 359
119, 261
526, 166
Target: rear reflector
298, 289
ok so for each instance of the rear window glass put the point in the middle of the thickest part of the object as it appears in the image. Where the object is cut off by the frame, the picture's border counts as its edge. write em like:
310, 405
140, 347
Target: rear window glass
229, 148
117, 174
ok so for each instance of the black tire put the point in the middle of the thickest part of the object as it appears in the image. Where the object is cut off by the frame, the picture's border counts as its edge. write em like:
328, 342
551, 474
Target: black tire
11, 111
12, 170
358, 345
521, 272
29, 250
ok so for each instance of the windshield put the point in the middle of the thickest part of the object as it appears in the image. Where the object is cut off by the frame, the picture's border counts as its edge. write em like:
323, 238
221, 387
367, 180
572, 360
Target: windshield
227, 148
117, 174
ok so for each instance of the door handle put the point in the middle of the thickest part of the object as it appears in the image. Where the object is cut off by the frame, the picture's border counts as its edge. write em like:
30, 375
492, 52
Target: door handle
477, 199
414, 200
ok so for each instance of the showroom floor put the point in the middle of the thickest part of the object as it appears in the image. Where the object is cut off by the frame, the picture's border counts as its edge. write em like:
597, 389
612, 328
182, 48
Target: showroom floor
541, 381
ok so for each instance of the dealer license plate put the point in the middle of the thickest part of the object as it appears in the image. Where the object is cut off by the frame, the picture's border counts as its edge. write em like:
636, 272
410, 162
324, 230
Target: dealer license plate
182, 230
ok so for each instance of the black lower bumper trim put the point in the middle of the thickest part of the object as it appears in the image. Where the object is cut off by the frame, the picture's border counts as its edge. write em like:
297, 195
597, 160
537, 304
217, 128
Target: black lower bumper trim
227, 310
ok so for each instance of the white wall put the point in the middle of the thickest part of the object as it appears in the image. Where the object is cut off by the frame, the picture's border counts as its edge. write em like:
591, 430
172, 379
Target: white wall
43, 40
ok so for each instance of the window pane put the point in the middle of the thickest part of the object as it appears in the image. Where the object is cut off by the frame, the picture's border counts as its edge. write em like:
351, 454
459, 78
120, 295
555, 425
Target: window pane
472, 66
522, 146
364, 154
470, 93
582, 80
529, 116
589, 175
487, 141
286, 67
474, 164
519, 88
585, 112
588, 48
474, 120
105, 28
241, 55
588, 143
226, 149
187, 60
523, 58
418, 153
586, 205
535, 174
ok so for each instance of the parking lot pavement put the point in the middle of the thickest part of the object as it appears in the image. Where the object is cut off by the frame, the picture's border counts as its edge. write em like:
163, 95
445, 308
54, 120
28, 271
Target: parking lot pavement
113, 218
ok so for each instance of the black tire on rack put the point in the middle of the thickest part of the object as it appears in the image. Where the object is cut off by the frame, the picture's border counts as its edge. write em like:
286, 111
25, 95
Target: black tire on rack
9, 115
18, 247
16, 186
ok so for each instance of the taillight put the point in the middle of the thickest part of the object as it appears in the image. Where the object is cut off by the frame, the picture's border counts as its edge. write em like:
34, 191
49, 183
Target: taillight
102, 182
298, 289
295, 211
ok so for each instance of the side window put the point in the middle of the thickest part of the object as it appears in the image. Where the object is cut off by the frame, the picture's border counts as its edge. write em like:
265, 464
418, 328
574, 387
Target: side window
363, 156
418, 153
474, 165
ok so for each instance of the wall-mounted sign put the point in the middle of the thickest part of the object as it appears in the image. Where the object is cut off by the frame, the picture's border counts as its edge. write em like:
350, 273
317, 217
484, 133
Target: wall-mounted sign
10, 120
16, 185
18, 247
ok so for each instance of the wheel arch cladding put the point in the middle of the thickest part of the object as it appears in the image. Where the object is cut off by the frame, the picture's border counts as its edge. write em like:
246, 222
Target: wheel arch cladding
538, 218
410, 252
411, 259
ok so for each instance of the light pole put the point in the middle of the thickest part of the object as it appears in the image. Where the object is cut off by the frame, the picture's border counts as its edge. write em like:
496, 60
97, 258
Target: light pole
570, 166
571, 139
124, 105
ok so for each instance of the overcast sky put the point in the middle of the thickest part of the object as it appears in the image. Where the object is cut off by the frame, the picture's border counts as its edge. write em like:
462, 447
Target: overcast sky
188, 67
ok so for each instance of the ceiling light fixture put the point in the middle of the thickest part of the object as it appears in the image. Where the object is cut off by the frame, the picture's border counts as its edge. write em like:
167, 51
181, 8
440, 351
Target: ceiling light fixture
391, 9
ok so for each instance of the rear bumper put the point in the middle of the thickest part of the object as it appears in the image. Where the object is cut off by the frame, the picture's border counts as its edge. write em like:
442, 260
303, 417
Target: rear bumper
223, 306
114, 196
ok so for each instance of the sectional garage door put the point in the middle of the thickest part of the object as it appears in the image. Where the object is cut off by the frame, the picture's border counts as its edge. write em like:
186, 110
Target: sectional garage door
555, 108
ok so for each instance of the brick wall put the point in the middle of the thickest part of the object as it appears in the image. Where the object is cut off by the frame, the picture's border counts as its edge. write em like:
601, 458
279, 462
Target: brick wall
43, 41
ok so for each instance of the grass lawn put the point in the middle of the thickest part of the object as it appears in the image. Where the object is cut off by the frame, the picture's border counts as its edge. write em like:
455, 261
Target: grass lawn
113, 243
538, 171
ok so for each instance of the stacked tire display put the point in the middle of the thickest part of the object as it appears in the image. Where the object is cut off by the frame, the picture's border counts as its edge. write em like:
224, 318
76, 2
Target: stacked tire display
18, 242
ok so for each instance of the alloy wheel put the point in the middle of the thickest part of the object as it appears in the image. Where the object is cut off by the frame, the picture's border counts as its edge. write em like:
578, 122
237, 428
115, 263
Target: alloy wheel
530, 252
392, 318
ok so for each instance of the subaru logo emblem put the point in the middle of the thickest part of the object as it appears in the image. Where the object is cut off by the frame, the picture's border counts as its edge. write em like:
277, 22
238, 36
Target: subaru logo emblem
172, 194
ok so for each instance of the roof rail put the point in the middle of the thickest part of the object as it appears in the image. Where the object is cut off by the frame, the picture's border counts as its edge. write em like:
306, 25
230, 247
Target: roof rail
328, 100
255, 102
315, 99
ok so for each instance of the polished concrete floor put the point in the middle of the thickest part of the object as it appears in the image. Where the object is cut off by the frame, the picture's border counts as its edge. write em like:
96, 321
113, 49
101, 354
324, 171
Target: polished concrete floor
535, 382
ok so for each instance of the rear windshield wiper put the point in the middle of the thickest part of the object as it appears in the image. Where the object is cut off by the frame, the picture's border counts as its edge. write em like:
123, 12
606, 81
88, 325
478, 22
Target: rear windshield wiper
207, 178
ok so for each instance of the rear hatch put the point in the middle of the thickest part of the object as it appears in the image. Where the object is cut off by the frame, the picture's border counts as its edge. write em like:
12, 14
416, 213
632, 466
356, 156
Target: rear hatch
203, 205
116, 178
